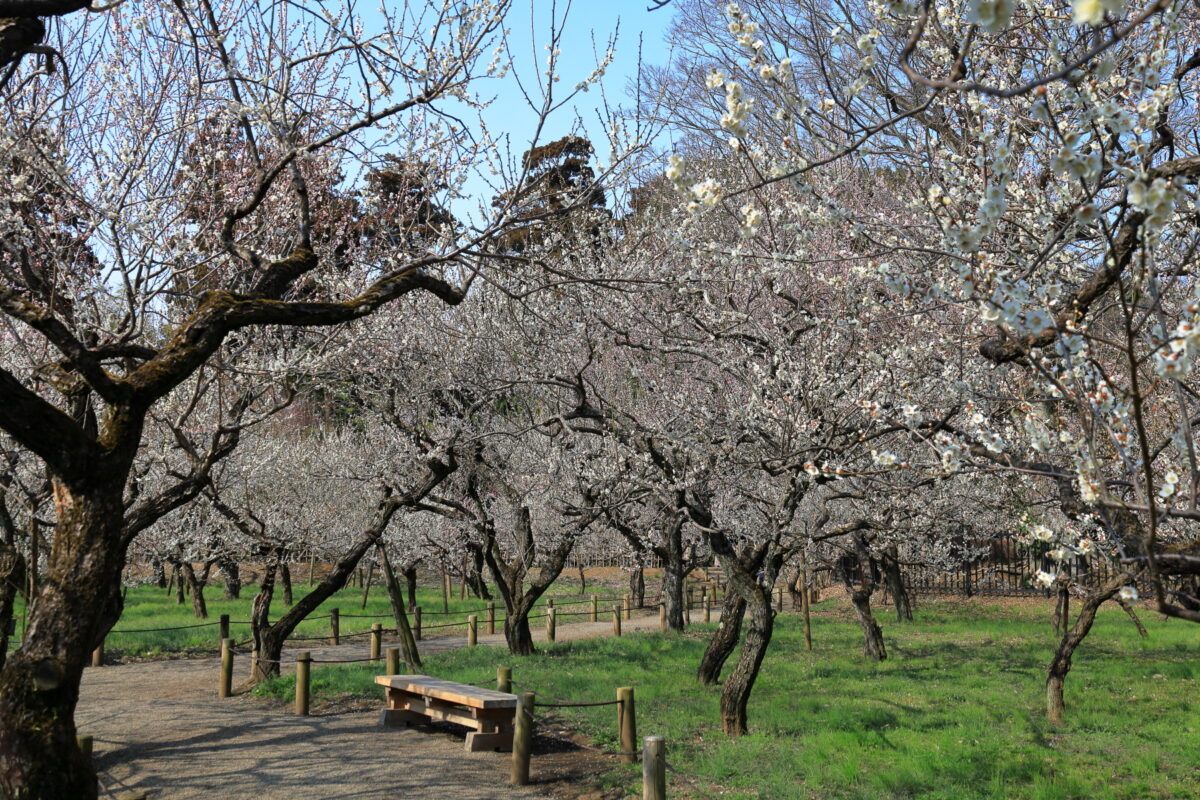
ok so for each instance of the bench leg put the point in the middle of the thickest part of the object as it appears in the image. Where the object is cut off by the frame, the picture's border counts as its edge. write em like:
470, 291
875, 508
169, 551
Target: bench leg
478, 742
398, 718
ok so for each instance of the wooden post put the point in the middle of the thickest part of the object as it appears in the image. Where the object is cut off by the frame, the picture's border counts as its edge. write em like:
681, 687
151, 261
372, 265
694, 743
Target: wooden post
627, 724
654, 769
550, 625
393, 661
690, 591
627, 605
616, 620
595, 608
303, 660
504, 679
522, 739
662, 616
707, 608
376, 640
417, 623
223, 628
334, 633
472, 630
226, 687
491, 618
98, 656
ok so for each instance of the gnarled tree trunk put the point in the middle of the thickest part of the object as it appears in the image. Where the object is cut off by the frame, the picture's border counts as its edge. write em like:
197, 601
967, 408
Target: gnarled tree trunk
895, 583
1060, 664
723, 642
232, 576
860, 597
75, 606
408, 642
195, 589
735, 695
637, 587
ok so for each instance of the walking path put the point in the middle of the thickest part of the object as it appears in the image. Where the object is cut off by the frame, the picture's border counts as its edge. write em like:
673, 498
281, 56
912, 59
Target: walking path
160, 729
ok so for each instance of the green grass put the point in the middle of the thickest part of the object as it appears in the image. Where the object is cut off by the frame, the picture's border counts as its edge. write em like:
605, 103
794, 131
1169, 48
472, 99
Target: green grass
956, 711
151, 607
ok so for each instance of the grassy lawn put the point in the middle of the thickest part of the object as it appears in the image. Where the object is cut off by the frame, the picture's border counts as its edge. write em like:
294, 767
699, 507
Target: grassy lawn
956, 711
148, 607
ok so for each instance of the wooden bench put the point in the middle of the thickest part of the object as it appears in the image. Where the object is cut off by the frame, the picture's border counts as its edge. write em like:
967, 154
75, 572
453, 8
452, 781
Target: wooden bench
417, 698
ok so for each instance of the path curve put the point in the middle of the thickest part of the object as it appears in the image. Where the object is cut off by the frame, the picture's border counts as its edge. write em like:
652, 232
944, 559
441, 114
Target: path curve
159, 729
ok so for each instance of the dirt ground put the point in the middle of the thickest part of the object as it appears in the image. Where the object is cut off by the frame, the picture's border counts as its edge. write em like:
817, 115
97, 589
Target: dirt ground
161, 732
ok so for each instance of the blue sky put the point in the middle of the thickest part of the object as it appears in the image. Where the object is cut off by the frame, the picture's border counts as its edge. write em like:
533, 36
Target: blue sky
589, 24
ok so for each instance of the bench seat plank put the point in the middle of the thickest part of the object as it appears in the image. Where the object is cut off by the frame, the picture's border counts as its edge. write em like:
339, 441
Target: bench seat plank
439, 689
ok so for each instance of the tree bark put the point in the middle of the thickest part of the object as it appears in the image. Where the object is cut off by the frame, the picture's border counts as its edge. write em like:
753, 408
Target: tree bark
735, 696
407, 641
76, 605
269, 639
723, 642
674, 573
285, 582
860, 597
199, 608
896, 587
637, 587
367, 585
1060, 664
232, 578
159, 576
410, 578
12, 581
178, 572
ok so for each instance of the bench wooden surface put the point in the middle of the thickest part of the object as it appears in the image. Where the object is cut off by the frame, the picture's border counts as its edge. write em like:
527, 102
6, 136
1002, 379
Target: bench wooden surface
416, 698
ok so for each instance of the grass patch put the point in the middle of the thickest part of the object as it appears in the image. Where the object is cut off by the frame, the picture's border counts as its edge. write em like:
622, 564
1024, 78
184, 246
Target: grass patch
151, 607
956, 711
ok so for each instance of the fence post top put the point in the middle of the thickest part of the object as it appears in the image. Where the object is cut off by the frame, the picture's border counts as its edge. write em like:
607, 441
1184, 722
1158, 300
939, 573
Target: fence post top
653, 740
304, 655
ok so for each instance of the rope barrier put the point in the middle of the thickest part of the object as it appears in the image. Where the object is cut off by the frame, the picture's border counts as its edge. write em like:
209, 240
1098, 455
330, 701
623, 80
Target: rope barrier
160, 630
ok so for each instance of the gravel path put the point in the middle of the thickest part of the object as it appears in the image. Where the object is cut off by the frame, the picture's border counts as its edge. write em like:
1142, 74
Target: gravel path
160, 729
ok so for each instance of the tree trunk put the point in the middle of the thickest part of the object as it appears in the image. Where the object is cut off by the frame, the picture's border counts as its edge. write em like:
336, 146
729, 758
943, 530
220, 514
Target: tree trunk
159, 576
410, 577
178, 584
672, 590
407, 641
1060, 664
267, 648
723, 642
285, 582
637, 587
269, 639
195, 589
582, 581
474, 576
75, 606
516, 630
232, 577
12, 581
895, 583
873, 646
860, 597
367, 585
735, 695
